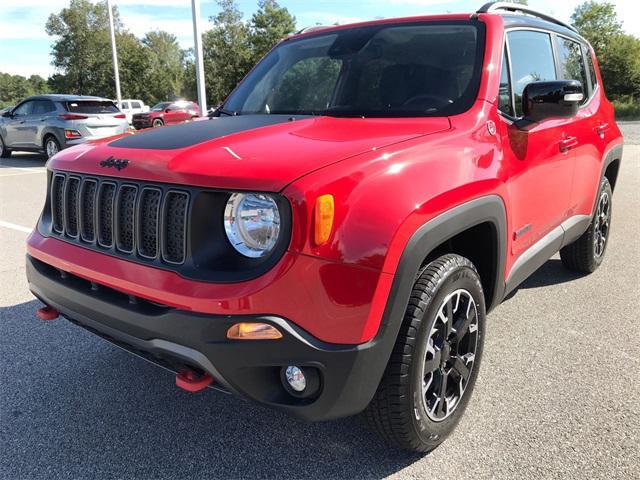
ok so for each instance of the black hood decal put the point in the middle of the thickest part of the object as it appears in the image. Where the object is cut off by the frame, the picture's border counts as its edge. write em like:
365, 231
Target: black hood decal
189, 134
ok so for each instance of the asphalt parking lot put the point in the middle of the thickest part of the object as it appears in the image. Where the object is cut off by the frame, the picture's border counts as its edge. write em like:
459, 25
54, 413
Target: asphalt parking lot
558, 394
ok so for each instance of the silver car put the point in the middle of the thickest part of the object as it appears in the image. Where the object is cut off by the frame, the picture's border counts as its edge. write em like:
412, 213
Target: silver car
49, 123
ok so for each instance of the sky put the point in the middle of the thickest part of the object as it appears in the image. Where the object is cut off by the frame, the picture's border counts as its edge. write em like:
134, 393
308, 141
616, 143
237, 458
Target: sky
25, 47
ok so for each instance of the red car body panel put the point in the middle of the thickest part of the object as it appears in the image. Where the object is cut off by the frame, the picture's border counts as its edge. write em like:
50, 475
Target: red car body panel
341, 288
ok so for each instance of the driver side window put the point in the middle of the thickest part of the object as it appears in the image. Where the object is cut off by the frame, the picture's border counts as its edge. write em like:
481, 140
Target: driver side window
531, 61
23, 109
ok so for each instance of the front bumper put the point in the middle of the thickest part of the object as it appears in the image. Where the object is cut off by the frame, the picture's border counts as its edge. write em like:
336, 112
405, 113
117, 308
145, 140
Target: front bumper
173, 338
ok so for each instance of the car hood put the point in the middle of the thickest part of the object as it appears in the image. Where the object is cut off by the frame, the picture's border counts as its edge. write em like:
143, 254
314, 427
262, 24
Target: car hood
253, 152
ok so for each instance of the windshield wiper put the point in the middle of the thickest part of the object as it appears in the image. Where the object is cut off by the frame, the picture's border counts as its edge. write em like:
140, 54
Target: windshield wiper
224, 111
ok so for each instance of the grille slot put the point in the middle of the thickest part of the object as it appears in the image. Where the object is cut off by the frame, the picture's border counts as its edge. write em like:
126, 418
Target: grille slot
87, 210
106, 196
129, 219
126, 207
174, 220
148, 221
71, 206
57, 203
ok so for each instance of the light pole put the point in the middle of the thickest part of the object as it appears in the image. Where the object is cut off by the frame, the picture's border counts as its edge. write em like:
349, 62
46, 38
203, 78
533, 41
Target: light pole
197, 43
115, 54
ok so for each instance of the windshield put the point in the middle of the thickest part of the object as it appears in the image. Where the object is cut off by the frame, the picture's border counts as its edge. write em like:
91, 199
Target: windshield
410, 69
160, 106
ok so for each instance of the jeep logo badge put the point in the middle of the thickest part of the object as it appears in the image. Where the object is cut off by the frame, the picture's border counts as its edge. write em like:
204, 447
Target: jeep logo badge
116, 163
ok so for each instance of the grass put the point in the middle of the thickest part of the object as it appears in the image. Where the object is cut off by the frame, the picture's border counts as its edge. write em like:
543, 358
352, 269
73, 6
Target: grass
627, 110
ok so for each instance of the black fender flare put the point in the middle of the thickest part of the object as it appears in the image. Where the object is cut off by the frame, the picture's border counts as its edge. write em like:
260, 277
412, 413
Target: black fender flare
487, 209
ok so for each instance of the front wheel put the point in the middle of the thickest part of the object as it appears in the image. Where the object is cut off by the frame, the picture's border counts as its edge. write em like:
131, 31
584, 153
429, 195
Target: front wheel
587, 252
4, 152
430, 376
157, 123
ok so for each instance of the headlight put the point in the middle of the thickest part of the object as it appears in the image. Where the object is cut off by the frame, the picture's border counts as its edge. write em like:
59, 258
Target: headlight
252, 223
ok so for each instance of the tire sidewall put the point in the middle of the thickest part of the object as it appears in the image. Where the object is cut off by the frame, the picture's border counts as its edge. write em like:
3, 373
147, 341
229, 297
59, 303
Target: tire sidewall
604, 186
46, 142
430, 432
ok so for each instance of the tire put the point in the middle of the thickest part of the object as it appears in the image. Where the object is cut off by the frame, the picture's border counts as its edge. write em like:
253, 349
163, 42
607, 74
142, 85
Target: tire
4, 151
157, 123
587, 252
399, 411
51, 146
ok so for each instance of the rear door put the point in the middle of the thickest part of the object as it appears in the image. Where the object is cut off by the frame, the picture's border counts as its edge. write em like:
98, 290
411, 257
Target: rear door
591, 126
42, 114
540, 169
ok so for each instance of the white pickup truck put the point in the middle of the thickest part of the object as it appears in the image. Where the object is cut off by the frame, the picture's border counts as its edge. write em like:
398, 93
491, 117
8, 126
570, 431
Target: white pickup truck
129, 107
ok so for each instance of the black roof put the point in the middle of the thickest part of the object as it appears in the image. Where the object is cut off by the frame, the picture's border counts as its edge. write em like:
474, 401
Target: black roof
61, 97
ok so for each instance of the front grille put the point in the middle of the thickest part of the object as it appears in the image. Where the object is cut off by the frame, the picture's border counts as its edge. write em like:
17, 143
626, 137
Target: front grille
128, 218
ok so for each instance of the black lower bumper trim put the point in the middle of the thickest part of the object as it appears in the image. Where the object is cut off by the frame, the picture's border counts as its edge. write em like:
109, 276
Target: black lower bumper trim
349, 374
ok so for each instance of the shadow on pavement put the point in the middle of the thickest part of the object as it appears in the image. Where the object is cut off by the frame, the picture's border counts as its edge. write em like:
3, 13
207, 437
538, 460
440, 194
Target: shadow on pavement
72, 405
23, 160
553, 272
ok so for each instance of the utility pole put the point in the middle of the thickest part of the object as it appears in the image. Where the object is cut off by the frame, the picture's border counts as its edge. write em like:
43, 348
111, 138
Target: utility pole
197, 43
115, 54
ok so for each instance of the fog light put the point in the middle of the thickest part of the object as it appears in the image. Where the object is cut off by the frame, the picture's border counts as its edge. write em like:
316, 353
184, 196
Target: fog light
295, 378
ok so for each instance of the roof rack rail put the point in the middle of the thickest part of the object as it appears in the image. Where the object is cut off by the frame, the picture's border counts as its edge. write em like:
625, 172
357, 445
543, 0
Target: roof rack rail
313, 28
516, 7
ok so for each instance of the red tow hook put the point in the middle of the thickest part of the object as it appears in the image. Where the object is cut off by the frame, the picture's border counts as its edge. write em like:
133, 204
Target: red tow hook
192, 382
47, 313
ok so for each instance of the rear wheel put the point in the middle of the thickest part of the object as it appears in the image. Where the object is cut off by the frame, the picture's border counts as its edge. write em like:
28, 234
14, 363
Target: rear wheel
587, 252
157, 123
51, 146
430, 376
4, 152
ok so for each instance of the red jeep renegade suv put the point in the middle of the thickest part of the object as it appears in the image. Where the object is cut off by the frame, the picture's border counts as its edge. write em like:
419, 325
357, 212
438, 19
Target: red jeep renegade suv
331, 240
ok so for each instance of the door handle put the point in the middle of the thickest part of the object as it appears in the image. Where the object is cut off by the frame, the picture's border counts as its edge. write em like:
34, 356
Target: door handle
568, 143
601, 129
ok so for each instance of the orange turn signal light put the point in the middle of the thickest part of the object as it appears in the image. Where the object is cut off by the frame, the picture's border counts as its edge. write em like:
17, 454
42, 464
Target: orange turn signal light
253, 331
323, 218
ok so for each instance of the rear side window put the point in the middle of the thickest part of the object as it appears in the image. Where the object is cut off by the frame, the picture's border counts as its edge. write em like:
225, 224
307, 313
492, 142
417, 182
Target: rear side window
571, 63
92, 106
43, 106
592, 70
531, 61
504, 94
136, 105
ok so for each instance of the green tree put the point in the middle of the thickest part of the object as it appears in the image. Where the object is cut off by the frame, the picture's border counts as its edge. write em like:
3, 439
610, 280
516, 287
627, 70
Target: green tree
618, 54
597, 22
227, 52
82, 53
620, 67
165, 73
79, 50
270, 24
14, 88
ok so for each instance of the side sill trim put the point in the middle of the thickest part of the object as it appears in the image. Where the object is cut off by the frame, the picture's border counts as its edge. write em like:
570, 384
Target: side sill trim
541, 251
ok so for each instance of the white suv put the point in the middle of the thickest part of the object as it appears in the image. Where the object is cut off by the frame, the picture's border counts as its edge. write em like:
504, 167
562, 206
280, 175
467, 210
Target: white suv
129, 107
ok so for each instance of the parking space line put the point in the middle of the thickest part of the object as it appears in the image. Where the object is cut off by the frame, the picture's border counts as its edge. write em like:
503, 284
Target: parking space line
13, 226
20, 173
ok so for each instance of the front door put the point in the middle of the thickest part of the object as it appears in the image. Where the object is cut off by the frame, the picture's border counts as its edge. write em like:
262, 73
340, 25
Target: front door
16, 127
540, 160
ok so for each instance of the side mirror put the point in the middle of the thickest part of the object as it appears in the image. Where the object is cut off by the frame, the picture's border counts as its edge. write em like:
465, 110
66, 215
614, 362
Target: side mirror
552, 99
167, 110
8, 114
